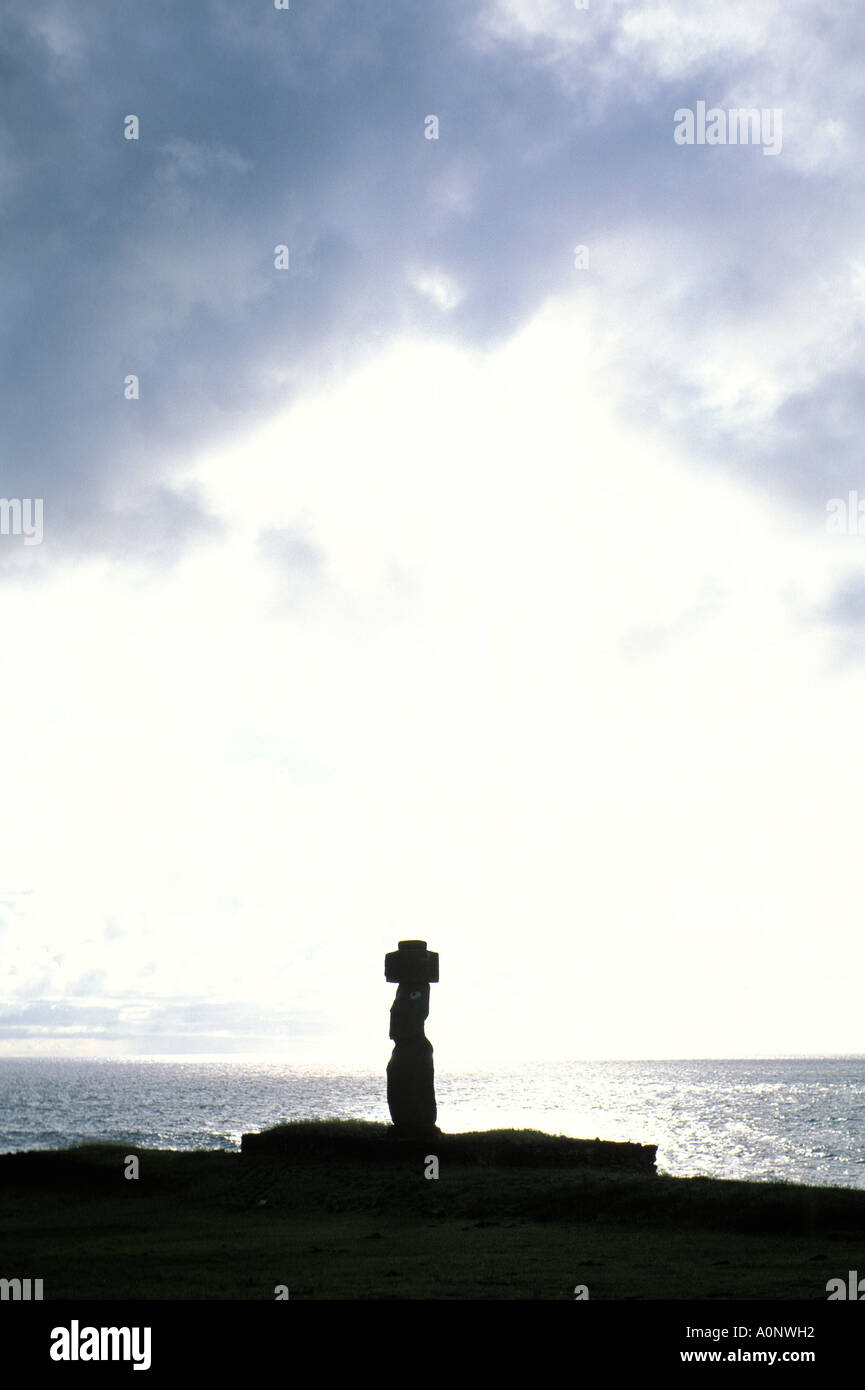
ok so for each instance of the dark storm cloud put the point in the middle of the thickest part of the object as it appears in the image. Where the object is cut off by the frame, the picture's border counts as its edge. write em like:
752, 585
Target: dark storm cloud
305, 127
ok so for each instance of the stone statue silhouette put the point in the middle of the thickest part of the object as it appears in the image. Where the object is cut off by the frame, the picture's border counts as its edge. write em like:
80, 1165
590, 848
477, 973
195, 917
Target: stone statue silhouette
410, 1079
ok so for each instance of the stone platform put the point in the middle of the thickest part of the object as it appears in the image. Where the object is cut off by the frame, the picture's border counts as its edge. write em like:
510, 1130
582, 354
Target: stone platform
493, 1148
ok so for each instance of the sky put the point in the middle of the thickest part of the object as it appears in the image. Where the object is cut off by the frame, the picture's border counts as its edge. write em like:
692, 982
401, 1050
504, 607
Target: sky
448, 486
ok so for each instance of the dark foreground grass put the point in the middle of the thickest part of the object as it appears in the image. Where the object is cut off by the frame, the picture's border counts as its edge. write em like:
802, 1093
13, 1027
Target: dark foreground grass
328, 1223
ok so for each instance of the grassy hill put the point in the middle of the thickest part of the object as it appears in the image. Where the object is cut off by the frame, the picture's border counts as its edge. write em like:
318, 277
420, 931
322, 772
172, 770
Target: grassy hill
339, 1210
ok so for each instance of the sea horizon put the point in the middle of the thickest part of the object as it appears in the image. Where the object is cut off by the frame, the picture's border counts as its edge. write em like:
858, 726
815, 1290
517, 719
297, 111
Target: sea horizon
782, 1118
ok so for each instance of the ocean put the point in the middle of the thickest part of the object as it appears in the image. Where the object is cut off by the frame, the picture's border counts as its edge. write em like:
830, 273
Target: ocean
797, 1119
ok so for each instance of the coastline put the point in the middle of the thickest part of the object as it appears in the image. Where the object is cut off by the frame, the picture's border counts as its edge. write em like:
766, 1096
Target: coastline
324, 1211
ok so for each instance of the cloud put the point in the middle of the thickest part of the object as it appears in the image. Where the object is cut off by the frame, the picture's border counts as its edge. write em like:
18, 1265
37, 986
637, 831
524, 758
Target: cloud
306, 128
473, 576
845, 610
192, 1025
186, 159
54, 1017
92, 982
292, 550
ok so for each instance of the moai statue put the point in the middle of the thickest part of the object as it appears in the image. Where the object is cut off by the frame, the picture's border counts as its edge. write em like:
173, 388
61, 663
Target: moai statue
410, 1089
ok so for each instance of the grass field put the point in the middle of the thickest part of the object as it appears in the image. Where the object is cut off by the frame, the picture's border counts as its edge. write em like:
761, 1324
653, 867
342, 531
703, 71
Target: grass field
329, 1222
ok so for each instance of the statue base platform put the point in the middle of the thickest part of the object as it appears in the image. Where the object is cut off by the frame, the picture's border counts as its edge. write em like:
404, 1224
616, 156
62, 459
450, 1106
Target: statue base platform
353, 1140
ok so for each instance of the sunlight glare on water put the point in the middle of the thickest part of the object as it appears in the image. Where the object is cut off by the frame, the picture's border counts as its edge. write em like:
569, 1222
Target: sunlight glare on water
802, 1120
